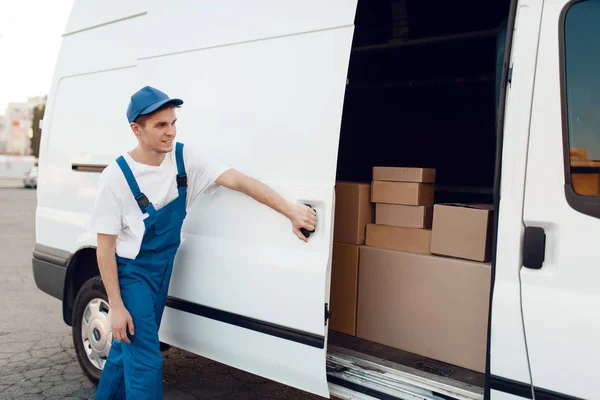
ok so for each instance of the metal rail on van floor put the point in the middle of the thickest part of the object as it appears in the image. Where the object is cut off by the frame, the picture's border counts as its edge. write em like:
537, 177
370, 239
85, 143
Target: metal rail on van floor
377, 378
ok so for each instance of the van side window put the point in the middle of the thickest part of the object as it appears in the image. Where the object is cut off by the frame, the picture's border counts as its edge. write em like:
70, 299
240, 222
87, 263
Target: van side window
580, 64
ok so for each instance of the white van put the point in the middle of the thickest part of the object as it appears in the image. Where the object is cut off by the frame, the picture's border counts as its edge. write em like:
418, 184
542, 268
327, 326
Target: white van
303, 93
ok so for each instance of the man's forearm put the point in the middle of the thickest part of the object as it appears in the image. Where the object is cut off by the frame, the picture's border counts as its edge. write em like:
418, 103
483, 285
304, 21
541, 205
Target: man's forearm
265, 195
107, 263
301, 216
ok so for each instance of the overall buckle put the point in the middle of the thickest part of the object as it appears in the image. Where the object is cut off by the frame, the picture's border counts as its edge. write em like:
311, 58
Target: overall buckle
181, 180
142, 201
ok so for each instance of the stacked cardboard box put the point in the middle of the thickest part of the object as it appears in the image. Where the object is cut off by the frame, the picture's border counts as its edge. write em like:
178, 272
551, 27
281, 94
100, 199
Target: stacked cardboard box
404, 209
429, 305
408, 298
462, 231
388, 288
353, 211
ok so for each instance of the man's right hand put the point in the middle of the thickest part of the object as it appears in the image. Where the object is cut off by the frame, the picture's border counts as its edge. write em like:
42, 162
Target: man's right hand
120, 321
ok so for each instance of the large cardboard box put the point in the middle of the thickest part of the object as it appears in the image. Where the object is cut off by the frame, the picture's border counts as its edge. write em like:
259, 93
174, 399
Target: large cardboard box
436, 307
406, 193
397, 174
353, 211
398, 238
406, 216
343, 296
462, 231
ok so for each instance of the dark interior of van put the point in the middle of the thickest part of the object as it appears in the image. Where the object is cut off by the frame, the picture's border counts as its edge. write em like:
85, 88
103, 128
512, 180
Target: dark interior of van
421, 93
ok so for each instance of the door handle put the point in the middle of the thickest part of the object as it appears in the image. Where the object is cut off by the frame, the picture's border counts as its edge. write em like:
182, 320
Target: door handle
534, 247
306, 232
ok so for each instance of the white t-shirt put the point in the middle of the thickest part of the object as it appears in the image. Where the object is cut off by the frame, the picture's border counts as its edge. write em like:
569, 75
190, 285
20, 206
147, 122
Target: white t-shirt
116, 212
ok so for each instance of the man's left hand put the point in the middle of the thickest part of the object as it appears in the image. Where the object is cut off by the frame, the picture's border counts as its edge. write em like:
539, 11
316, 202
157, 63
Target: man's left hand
302, 216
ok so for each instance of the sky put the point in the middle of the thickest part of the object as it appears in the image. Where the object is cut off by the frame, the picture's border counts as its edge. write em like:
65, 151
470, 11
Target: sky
30, 35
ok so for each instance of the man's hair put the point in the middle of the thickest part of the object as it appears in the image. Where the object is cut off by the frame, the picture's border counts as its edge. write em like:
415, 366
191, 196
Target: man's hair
142, 119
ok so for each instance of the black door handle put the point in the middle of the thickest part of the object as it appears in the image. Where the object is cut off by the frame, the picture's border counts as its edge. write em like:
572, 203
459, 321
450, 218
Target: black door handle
534, 247
304, 231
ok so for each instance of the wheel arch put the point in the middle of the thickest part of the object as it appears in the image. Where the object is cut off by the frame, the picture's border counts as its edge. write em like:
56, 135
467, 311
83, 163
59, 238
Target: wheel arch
82, 267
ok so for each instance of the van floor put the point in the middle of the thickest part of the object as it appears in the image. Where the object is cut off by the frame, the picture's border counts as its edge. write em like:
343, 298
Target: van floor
406, 359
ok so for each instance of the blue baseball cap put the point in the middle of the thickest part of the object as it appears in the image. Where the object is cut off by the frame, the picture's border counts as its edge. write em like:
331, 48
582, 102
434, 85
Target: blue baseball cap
147, 100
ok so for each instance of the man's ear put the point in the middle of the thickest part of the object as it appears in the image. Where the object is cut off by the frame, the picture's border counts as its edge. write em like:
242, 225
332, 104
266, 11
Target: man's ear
135, 128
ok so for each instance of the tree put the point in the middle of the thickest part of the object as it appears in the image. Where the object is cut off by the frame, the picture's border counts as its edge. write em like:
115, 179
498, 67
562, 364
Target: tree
38, 115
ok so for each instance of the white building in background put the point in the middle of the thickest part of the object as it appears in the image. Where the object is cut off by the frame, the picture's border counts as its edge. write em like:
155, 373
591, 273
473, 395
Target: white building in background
18, 118
16, 135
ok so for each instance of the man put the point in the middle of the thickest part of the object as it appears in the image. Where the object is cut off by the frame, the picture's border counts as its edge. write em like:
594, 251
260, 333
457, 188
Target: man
140, 207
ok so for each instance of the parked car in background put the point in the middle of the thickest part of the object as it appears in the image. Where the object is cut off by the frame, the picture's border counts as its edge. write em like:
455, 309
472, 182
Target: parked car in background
30, 178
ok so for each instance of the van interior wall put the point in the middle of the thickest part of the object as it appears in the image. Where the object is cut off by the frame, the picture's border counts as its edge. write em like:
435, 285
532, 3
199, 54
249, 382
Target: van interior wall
419, 96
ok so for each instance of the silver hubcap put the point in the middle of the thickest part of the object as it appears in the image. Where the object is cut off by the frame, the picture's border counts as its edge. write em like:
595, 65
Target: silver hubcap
96, 333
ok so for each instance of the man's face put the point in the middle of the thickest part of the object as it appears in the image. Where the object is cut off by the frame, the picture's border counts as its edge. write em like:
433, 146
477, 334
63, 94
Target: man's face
159, 131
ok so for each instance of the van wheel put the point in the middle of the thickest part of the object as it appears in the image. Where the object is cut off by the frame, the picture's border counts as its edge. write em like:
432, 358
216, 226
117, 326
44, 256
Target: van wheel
92, 335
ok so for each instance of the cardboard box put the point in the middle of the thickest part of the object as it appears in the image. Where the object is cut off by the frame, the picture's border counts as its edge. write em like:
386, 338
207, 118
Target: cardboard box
578, 154
353, 211
586, 184
462, 231
436, 307
406, 193
405, 216
395, 174
343, 297
397, 238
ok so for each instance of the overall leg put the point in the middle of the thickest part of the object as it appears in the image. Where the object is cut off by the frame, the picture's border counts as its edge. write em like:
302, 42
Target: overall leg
142, 359
161, 298
112, 380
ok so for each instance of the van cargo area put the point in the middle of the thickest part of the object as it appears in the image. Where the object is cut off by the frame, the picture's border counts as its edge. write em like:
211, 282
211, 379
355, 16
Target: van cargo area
421, 93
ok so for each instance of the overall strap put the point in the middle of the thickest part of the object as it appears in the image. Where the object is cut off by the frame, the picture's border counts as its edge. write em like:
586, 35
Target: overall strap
140, 197
181, 175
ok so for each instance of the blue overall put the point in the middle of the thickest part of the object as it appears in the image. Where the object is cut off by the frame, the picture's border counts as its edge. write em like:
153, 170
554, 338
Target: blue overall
134, 371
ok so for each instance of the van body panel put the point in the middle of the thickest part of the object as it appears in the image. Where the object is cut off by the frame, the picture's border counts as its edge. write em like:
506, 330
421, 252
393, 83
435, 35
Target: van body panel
213, 23
92, 13
508, 348
282, 360
560, 300
262, 104
106, 47
79, 131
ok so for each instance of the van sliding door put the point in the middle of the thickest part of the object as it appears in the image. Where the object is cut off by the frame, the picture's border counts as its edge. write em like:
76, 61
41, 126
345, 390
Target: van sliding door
263, 84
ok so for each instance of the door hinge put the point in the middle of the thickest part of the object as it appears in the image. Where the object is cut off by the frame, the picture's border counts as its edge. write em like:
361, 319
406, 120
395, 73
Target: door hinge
510, 73
327, 313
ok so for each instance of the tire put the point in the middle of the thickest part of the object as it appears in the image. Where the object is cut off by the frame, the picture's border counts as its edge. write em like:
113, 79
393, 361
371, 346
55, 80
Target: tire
91, 293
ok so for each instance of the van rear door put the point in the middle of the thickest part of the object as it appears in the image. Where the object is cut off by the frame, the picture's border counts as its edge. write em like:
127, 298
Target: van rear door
263, 84
561, 274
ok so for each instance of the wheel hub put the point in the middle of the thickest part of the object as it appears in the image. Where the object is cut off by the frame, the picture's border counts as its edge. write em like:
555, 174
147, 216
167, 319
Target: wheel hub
95, 332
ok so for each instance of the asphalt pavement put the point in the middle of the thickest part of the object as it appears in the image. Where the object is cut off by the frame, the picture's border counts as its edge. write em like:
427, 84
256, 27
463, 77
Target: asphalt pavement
37, 360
